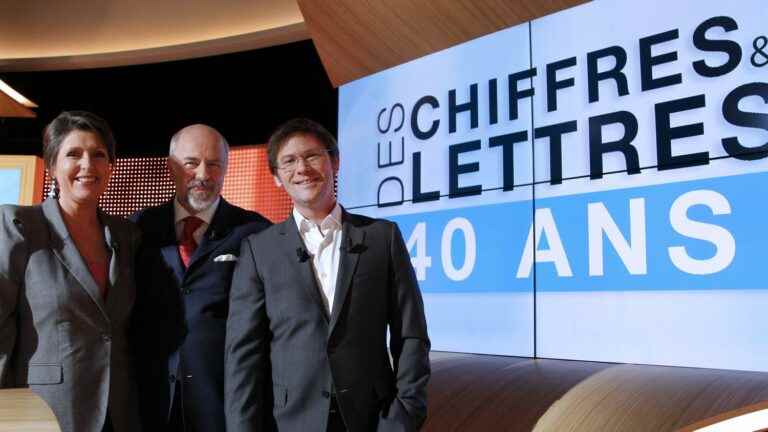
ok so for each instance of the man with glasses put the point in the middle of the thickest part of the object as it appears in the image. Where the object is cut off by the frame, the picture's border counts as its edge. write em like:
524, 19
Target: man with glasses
312, 299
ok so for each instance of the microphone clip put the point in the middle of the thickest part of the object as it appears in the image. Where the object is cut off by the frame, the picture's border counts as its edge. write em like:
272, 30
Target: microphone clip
302, 255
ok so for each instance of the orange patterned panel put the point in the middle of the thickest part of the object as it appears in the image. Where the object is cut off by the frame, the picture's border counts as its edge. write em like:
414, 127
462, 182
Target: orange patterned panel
250, 184
142, 182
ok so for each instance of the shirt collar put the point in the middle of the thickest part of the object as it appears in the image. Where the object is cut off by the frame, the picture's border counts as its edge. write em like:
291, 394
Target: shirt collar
206, 215
331, 222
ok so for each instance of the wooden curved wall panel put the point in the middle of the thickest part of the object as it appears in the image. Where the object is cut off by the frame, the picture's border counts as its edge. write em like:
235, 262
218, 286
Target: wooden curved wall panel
737, 415
728, 391
495, 393
357, 38
471, 392
658, 398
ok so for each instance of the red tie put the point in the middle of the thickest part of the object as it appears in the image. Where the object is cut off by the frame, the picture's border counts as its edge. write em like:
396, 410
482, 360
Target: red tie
187, 244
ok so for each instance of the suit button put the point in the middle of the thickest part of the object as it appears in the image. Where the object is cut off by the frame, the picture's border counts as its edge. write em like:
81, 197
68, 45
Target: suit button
325, 394
172, 378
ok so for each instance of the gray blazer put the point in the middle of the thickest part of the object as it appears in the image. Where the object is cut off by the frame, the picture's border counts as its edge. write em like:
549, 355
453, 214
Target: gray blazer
57, 335
286, 357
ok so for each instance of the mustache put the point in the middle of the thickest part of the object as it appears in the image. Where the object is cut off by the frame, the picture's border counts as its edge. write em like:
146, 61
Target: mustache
207, 184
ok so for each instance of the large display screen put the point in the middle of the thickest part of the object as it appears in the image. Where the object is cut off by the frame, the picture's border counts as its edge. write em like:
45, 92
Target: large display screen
589, 185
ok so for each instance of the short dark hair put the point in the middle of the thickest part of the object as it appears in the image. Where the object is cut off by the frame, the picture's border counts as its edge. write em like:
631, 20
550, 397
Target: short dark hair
299, 126
68, 121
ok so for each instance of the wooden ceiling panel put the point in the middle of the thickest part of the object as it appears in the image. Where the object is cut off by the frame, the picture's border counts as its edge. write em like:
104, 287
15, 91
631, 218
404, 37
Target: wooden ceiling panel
356, 38
73, 34
11, 108
245, 42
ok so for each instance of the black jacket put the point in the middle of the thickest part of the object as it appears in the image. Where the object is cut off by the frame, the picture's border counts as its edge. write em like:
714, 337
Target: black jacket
180, 316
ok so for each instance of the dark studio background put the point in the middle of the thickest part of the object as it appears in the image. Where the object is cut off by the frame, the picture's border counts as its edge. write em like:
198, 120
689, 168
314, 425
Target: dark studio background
244, 95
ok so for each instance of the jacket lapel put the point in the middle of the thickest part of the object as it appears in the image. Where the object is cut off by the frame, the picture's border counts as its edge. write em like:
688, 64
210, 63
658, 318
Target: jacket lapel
66, 252
300, 267
219, 228
114, 290
170, 247
352, 245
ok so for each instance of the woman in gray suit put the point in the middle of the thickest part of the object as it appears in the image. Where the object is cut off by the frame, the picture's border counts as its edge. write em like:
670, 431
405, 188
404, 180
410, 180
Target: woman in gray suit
66, 286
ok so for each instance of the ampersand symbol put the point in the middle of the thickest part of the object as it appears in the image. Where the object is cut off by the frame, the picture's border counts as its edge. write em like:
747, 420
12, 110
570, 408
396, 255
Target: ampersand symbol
759, 45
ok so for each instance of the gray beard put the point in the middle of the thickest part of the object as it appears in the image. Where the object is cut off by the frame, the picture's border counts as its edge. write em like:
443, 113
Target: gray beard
201, 204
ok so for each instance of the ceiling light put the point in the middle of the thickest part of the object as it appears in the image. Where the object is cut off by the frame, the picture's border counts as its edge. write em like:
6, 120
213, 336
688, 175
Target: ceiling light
18, 97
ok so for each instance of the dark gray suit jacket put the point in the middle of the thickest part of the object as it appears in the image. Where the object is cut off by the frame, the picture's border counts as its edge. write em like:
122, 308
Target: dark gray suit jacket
57, 335
285, 356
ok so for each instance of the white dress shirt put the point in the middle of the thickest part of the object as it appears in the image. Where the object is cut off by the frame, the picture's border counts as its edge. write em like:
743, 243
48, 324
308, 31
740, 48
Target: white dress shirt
323, 242
179, 213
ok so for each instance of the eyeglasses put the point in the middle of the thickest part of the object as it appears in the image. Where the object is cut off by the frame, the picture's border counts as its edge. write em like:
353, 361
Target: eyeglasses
313, 159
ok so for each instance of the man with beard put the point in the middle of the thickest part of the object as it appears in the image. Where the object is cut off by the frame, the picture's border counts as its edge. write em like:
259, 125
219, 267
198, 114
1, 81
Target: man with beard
183, 273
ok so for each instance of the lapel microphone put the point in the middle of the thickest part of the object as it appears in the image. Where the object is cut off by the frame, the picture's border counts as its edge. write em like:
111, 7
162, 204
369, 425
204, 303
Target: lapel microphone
348, 247
301, 254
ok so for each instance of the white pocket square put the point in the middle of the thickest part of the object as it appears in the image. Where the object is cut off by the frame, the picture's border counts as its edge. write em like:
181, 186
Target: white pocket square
225, 258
